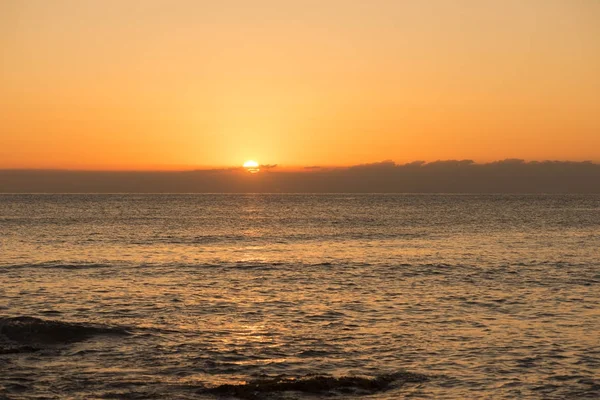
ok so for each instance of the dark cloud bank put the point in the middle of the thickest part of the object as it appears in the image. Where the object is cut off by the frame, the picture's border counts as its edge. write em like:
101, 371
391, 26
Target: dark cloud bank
508, 176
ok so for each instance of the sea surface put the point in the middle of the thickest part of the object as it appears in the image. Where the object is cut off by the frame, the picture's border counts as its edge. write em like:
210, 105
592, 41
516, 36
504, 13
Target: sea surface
299, 296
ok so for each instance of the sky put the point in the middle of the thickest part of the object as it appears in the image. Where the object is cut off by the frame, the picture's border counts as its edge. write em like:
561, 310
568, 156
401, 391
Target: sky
187, 84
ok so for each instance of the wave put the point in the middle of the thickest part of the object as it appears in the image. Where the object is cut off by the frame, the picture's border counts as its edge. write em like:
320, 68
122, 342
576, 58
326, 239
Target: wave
83, 265
287, 238
407, 269
56, 265
315, 385
30, 331
11, 348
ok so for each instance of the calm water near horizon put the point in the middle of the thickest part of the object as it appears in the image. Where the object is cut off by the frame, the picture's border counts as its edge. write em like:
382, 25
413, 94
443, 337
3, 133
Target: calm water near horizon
169, 296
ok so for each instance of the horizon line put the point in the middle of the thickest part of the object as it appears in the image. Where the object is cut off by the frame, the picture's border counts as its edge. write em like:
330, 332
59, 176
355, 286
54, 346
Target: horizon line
297, 168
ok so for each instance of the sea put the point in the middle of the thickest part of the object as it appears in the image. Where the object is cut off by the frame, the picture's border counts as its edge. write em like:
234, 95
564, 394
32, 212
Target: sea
307, 296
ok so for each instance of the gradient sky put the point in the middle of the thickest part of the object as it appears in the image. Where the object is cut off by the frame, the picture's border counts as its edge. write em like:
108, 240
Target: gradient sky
166, 84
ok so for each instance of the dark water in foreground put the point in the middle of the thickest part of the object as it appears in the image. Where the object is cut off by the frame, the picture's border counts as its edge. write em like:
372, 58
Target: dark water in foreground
383, 296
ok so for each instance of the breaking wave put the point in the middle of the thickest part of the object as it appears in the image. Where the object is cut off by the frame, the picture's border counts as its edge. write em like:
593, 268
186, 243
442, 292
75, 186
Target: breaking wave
30, 331
316, 385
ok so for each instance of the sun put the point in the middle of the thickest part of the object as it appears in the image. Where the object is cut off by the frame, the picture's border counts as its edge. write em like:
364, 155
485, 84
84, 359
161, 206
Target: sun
252, 166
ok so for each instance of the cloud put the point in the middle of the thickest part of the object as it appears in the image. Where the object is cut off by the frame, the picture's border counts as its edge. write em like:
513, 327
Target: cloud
448, 176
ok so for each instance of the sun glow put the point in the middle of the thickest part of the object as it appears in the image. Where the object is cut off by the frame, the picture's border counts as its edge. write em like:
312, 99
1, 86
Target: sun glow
251, 166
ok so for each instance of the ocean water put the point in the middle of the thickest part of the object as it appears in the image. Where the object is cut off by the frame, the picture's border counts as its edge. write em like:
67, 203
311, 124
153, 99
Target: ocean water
280, 296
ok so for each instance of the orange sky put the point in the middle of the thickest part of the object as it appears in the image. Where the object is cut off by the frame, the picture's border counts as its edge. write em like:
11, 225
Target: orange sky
149, 84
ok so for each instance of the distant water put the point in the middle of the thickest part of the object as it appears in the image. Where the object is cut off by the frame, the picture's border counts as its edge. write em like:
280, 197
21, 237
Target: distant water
250, 296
